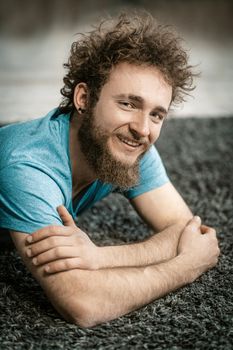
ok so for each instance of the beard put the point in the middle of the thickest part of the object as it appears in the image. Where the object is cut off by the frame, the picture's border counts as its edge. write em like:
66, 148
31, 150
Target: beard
108, 169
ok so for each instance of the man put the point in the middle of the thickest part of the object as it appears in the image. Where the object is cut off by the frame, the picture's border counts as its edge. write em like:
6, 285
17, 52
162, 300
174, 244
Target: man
122, 79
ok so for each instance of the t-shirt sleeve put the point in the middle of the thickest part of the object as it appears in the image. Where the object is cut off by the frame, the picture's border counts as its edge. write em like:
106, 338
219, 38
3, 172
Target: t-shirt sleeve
28, 198
152, 174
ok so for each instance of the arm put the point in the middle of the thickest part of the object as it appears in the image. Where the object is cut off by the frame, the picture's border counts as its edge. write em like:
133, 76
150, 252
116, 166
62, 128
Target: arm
89, 297
163, 209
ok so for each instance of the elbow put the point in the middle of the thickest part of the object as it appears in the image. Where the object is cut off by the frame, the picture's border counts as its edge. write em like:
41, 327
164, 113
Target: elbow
85, 315
81, 304
85, 321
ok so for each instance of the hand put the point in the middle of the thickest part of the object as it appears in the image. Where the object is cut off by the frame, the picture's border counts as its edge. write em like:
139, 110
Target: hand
62, 248
199, 245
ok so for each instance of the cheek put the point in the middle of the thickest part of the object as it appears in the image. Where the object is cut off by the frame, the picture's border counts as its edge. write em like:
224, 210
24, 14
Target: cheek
156, 129
108, 117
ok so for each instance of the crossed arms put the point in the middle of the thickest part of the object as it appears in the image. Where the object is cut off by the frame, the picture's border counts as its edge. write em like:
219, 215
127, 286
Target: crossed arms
89, 284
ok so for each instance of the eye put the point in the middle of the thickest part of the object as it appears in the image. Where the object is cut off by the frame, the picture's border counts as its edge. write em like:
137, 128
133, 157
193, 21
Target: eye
126, 104
156, 117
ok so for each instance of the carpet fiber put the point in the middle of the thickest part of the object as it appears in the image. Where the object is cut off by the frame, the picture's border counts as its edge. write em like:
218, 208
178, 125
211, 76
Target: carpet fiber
198, 154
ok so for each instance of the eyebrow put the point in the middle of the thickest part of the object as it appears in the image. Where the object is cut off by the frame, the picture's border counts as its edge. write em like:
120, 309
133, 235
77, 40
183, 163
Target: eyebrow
140, 100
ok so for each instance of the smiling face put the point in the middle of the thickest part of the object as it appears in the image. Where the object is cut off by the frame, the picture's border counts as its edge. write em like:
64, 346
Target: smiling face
125, 122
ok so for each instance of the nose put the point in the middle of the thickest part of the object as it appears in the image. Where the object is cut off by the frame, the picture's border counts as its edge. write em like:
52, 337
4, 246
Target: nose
140, 125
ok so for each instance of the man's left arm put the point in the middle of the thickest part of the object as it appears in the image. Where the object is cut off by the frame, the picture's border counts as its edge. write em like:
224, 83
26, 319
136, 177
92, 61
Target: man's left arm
163, 209
166, 213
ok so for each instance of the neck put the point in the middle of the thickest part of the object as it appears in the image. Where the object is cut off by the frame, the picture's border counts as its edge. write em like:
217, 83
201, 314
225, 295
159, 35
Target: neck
82, 174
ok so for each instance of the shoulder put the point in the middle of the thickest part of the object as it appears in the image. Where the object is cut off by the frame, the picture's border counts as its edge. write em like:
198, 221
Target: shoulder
150, 158
29, 197
152, 174
37, 144
19, 141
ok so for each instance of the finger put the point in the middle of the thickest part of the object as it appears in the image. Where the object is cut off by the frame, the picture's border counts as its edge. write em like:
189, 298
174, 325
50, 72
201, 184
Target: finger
46, 244
67, 219
48, 231
55, 254
64, 265
207, 229
194, 223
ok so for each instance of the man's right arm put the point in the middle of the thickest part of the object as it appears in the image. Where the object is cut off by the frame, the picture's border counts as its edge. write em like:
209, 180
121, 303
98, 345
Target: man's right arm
90, 297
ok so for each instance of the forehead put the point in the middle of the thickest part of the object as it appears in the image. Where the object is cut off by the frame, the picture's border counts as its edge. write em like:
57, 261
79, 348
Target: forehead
144, 81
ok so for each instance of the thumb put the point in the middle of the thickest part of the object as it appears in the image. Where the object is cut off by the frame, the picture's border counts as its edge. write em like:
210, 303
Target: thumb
195, 222
67, 219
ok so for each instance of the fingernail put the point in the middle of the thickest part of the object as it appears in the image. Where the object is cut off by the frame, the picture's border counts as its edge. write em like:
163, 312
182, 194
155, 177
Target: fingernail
34, 261
47, 268
59, 207
197, 218
29, 252
29, 239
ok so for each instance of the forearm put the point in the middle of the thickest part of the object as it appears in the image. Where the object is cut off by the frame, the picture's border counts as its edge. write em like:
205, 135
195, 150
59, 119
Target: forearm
103, 295
89, 297
159, 247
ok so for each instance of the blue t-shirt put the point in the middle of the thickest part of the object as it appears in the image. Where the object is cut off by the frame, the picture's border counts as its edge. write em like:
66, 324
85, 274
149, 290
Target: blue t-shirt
35, 174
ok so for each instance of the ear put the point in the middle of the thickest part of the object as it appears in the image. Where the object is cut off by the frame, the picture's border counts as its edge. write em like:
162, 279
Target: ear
80, 96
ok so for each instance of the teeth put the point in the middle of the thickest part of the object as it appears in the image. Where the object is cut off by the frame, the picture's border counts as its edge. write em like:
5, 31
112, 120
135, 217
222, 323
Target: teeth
128, 142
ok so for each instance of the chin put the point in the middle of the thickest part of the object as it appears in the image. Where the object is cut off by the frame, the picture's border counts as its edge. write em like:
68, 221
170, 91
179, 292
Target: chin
126, 158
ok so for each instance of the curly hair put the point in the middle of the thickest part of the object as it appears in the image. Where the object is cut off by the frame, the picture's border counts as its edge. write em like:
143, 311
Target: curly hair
136, 39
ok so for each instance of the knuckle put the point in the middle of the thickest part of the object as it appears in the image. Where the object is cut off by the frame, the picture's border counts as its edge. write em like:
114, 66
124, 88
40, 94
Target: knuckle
214, 262
57, 252
52, 240
69, 232
34, 236
54, 267
68, 264
52, 229
212, 230
33, 251
62, 265
39, 260
214, 239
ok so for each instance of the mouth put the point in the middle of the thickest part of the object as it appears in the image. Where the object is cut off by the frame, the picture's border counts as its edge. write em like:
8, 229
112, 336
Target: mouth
130, 143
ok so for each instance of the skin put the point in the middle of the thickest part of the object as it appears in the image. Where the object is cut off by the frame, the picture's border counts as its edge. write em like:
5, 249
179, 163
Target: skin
118, 114
89, 284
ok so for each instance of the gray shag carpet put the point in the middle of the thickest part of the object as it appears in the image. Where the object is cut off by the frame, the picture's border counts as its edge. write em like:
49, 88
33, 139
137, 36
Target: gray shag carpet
198, 154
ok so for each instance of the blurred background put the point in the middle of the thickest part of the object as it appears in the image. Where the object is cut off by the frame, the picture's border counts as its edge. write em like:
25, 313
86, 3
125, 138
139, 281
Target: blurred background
36, 35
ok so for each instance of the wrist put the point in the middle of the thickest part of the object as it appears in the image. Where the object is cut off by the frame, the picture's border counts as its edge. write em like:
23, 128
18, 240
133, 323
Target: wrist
181, 268
104, 257
188, 267
170, 275
126, 255
165, 243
